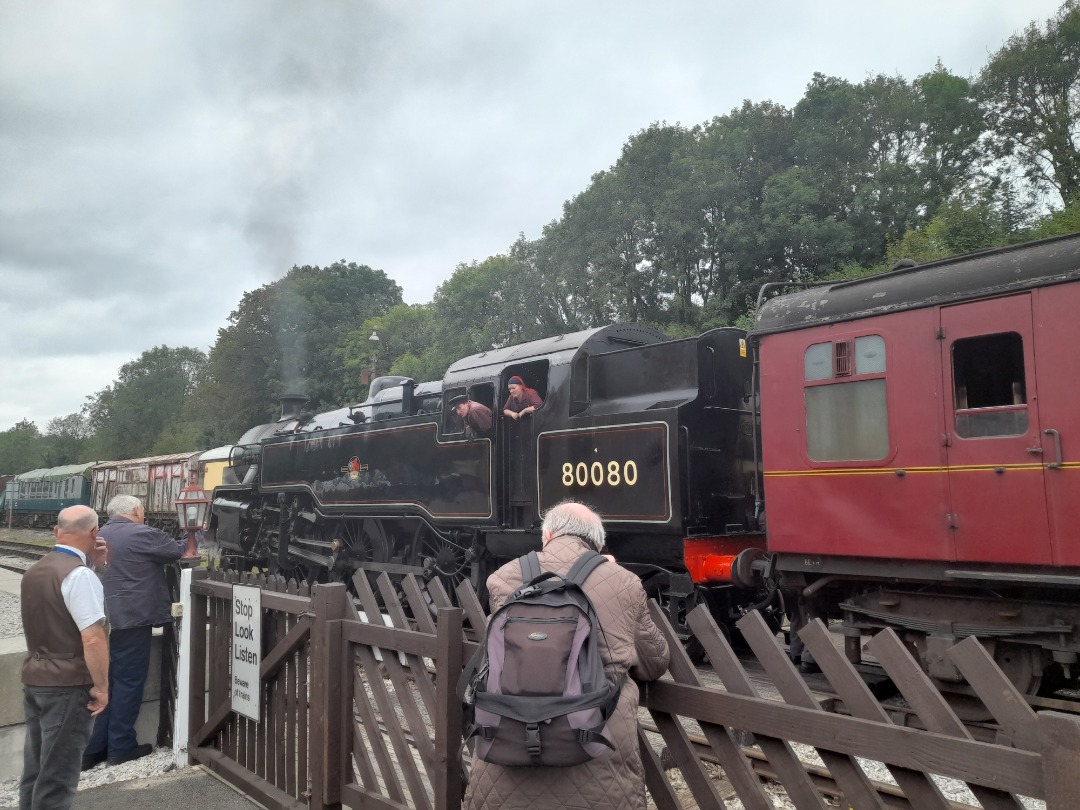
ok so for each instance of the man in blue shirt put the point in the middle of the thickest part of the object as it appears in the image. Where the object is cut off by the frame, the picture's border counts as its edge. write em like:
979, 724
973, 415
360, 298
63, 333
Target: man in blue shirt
136, 600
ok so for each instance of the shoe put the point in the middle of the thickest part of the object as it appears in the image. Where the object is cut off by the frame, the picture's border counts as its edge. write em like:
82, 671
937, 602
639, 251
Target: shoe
138, 752
90, 760
809, 668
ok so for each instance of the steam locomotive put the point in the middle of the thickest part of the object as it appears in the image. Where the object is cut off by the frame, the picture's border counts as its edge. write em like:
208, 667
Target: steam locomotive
657, 435
910, 432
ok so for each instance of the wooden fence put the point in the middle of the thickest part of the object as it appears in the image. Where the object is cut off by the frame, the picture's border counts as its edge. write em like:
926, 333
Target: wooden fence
359, 714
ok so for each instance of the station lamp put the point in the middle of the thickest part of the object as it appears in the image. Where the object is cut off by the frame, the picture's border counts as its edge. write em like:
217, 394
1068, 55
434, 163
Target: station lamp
191, 507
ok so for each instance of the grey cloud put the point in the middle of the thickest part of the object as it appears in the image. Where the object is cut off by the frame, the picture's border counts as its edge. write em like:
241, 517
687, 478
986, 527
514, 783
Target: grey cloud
159, 159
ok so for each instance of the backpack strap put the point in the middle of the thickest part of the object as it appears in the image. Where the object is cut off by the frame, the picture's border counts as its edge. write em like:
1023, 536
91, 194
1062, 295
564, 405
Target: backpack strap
583, 566
530, 567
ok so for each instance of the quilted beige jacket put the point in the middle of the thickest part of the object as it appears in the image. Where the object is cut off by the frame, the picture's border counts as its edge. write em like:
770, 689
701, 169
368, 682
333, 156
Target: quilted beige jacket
630, 643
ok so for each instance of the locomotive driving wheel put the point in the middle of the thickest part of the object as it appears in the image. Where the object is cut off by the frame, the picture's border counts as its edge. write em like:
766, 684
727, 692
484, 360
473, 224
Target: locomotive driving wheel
354, 544
441, 557
297, 569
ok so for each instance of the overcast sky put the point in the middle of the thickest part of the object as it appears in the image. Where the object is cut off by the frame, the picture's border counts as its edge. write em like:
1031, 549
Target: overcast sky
158, 159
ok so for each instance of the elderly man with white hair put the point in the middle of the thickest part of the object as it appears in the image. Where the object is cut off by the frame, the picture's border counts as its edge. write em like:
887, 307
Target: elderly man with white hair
136, 600
630, 643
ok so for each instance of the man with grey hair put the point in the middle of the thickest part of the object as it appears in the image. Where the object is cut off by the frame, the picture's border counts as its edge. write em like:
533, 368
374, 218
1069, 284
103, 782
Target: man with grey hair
630, 643
570, 518
137, 600
66, 672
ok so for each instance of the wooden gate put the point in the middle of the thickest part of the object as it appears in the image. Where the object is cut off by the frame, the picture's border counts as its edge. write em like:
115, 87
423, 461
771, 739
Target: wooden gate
362, 713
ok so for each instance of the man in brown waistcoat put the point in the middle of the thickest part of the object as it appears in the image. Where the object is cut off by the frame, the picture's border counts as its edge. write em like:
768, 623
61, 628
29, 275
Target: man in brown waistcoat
66, 672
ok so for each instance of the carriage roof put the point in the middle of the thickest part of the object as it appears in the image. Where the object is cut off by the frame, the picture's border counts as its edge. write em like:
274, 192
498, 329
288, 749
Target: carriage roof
976, 275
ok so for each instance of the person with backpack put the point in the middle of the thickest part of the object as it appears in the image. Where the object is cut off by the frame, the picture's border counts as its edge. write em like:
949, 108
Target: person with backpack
630, 647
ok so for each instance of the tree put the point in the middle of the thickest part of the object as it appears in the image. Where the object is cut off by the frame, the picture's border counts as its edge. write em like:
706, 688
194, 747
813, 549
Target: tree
286, 337
484, 305
67, 440
1058, 223
885, 154
1031, 91
131, 416
21, 448
960, 226
406, 340
734, 157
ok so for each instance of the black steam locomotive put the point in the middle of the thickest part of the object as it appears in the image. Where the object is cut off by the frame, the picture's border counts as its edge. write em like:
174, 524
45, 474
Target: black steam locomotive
658, 435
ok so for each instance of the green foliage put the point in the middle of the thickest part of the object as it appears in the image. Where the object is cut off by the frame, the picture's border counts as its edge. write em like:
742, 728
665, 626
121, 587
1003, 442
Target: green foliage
1059, 223
131, 417
956, 229
21, 448
1031, 90
284, 338
67, 440
405, 337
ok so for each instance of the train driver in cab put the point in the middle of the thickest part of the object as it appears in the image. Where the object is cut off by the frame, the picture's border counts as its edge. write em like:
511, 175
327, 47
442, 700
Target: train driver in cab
522, 400
476, 417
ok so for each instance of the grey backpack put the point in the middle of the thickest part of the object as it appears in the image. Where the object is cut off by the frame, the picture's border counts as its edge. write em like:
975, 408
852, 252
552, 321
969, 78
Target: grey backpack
535, 693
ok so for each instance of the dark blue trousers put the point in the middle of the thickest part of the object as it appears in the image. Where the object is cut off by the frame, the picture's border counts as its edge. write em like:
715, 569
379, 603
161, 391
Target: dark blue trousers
57, 728
129, 662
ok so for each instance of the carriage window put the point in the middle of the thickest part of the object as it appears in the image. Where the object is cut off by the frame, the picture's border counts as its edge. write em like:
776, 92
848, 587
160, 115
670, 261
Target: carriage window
817, 362
846, 409
870, 355
988, 386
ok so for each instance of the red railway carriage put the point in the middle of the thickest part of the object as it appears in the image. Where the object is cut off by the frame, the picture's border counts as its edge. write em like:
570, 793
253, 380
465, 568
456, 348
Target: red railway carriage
920, 428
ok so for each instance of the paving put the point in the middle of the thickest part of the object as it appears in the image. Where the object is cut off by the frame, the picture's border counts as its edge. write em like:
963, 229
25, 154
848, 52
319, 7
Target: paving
184, 789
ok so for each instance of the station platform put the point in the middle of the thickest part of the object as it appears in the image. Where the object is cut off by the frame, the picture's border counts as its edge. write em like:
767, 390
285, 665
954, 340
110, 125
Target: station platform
181, 789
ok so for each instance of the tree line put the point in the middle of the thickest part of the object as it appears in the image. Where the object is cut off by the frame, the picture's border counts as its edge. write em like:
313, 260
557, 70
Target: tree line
680, 233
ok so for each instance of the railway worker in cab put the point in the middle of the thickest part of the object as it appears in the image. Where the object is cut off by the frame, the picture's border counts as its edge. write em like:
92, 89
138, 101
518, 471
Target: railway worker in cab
522, 400
475, 417
137, 600
66, 672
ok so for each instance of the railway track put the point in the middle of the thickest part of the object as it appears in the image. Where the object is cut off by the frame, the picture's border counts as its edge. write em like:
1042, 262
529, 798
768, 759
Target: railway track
18, 555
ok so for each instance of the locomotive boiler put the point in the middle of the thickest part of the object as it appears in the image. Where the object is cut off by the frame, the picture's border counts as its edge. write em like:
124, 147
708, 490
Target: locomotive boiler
656, 434
921, 449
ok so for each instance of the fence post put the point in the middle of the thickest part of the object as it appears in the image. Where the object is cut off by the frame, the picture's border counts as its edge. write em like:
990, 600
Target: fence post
195, 628
327, 713
448, 771
1060, 749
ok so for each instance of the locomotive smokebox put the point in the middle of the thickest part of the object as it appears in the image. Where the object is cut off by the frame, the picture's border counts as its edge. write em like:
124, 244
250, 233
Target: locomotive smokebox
292, 405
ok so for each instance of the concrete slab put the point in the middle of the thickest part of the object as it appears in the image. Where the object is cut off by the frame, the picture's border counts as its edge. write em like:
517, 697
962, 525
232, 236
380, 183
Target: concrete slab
177, 790
10, 581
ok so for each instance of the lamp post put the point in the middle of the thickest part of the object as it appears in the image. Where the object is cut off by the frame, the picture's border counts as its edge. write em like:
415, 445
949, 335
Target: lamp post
191, 506
374, 341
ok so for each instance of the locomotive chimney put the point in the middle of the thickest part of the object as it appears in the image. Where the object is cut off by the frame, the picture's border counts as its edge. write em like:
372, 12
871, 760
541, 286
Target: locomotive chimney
291, 405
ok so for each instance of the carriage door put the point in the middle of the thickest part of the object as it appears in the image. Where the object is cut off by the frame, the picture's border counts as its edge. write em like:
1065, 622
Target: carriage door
993, 436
